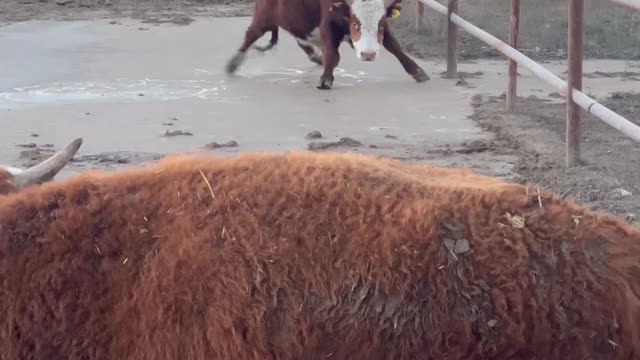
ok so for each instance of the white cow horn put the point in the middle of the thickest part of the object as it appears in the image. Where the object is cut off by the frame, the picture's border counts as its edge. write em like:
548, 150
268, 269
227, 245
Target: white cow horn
47, 169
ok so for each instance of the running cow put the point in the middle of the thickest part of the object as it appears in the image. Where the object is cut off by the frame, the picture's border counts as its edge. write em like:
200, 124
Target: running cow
320, 26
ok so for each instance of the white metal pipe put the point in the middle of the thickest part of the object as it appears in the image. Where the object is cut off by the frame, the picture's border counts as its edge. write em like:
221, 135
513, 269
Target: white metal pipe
631, 4
588, 104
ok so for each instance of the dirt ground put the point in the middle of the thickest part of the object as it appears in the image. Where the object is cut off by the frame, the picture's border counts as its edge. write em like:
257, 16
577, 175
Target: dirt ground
609, 180
180, 12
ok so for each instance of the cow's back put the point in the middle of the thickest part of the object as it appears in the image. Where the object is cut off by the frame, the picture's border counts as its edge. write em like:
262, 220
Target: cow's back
310, 256
298, 17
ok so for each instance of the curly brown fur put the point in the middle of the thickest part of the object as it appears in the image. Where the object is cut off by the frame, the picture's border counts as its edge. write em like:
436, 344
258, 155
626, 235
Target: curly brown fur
311, 256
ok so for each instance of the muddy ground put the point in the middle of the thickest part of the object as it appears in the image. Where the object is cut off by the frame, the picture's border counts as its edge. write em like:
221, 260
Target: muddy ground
608, 180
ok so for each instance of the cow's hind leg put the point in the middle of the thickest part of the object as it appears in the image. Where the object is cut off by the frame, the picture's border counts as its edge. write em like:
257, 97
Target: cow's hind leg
273, 42
391, 44
253, 33
312, 52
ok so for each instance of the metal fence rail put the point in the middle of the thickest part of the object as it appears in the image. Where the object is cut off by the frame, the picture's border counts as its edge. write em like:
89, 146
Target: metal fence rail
575, 101
631, 4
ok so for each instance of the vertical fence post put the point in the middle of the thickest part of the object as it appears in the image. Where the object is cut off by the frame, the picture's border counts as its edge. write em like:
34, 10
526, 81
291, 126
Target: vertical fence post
452, 42
574, 112
514, 29
419, 14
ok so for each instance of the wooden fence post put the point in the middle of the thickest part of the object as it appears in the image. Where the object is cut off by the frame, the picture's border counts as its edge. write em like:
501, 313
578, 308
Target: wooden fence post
574, 112
585, 102
419, 14
514, 29
452, 41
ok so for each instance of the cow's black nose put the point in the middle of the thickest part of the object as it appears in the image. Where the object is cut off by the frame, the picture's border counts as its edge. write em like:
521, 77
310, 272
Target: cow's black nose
367, 56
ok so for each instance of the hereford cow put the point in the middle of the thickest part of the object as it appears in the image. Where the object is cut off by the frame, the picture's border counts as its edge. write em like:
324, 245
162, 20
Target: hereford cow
13, 179
319, 27
311, 256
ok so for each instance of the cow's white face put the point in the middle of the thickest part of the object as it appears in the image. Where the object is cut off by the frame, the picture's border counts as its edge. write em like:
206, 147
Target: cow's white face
366, 26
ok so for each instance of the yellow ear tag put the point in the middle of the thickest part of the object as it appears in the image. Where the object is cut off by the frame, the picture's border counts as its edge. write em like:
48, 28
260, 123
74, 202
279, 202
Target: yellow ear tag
395, 13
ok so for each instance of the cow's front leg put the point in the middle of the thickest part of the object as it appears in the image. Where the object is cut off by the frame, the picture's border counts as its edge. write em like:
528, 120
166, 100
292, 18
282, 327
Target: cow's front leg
391, 44
330, 55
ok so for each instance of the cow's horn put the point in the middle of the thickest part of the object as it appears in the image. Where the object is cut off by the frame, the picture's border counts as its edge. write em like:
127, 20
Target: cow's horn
47, 169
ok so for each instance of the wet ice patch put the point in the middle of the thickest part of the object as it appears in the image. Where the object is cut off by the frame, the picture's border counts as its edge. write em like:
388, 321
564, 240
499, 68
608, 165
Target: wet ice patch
297, 73
358, 75
121, 90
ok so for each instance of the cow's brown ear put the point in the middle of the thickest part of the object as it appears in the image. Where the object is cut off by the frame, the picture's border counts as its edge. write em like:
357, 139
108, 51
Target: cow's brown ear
395, 3
393, 11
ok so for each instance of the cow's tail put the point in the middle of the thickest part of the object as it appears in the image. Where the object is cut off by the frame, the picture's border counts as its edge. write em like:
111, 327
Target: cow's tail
273, 42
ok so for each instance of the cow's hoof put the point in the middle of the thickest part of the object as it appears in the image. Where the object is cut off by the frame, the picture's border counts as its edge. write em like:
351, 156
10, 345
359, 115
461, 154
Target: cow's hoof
316, 58
420, 76
235, 62
326, 83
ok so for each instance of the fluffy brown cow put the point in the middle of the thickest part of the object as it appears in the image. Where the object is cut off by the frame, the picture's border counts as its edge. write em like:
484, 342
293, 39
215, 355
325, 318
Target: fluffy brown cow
320, 26
13, 179
311, 256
